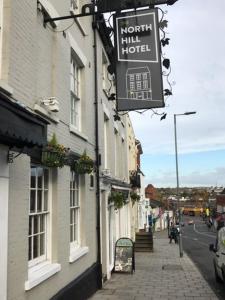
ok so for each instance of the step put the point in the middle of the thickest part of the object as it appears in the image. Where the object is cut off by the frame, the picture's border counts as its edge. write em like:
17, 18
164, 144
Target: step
144, 233
143, 249
138, 238
143, 239
144, 245
144, 242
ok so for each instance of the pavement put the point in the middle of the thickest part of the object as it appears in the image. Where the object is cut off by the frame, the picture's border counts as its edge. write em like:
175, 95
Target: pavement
158, 275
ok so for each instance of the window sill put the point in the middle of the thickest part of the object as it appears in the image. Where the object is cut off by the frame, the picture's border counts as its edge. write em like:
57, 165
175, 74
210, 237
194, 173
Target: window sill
78, 133
40, 273
77, 253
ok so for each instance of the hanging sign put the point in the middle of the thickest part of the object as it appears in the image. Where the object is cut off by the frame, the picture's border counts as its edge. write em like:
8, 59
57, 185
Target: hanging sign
124, 256
115, 5
138, 66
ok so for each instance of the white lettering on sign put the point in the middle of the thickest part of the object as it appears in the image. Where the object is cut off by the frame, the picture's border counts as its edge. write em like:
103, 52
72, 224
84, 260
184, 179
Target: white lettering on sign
137, 28
129, 41
135, 49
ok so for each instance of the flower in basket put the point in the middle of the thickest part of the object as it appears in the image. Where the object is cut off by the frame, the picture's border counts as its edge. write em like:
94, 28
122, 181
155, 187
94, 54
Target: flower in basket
134, 197
54, 154
84, 164
118, 199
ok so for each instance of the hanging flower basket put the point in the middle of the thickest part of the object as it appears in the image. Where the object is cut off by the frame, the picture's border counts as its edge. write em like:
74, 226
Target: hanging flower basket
54, 154
134, 197
118, 199
84, 165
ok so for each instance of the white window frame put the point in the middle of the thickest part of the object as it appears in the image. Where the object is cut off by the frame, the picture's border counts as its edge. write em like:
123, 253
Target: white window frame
106, 124
75, 90
104, 71
138, 85
138, 76
41, 268
145, 84
116, 145
132, 86
75, 242
46, 215
131, 77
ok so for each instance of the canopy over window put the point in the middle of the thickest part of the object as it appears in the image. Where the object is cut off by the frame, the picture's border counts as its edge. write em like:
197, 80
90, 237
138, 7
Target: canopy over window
18, 126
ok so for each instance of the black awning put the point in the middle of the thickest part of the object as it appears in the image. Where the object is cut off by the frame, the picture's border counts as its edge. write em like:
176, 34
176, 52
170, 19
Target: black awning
19, 127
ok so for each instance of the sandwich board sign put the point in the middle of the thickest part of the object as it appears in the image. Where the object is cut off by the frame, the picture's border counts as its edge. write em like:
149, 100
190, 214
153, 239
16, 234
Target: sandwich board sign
138, 66
124, 256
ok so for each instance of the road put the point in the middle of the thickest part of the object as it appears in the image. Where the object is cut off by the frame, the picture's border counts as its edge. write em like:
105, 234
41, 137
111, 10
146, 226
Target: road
196, 240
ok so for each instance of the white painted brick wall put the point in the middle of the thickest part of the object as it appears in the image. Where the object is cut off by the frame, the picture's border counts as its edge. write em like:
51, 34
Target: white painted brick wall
39, 66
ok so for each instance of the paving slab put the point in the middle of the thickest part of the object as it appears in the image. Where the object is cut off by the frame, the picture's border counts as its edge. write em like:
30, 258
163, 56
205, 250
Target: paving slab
161, 274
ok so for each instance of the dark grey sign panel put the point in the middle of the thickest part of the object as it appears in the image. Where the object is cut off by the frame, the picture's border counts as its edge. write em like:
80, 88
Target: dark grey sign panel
115, 5
138, 70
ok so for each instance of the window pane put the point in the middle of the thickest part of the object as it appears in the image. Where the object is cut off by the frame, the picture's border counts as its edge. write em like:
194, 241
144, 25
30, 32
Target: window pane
39, 201
39, 174
42, 223
35, 246
71, 233
35, 218
30, 248
76, 198
45, 200
33, 177
71, 198
45, 178
42, 244
30, 225
71, 216
32, 201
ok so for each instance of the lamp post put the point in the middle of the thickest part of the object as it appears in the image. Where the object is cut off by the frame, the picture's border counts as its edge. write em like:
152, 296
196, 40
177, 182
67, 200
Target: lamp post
177, 176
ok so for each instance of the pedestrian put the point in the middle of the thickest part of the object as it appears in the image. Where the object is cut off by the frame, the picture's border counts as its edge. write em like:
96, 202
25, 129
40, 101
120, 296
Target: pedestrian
173, 234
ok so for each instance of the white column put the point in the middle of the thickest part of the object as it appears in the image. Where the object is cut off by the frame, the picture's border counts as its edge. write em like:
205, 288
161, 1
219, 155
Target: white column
4, 197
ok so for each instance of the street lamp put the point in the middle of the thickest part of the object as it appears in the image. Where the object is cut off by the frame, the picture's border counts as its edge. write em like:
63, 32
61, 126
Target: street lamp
177, 175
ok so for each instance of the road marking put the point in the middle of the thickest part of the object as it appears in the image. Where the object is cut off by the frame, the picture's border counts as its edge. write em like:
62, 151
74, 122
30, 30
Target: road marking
212, 236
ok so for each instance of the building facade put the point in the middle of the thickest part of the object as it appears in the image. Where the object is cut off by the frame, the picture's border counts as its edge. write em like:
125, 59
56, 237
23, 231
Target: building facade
58, 228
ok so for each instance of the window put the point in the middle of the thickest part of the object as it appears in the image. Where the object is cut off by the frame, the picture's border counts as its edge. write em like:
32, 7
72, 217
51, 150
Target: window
132, 86
106, 141
138, 85
91, 181
75, 112
116, 157
38, 215
132, 77
138, 76
145, 84
104, 71
74, 210
145, 76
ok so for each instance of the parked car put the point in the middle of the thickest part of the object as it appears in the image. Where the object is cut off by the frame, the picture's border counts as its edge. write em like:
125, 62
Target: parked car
219, 259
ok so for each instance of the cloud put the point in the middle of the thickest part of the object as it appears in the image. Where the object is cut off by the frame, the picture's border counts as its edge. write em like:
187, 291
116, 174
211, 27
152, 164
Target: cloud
195, 178
196, 50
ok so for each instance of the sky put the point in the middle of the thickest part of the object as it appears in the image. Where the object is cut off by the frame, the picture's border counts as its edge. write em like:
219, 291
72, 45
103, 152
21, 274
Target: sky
196, 30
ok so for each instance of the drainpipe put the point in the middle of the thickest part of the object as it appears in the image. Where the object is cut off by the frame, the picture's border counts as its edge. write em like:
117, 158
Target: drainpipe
99, 279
